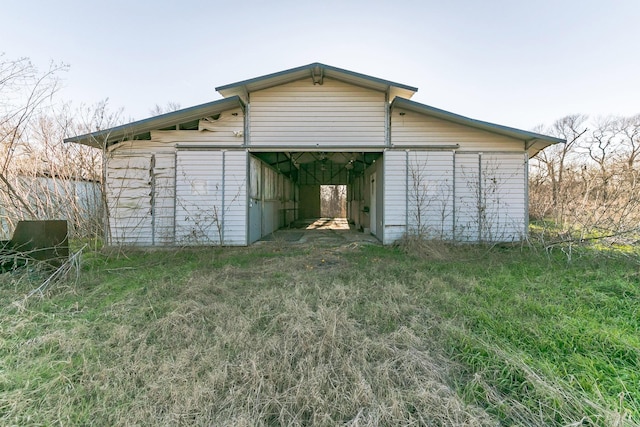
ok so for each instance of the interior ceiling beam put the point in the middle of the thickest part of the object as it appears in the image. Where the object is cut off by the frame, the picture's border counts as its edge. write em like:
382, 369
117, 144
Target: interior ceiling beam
281, 162
337, 173
289, 163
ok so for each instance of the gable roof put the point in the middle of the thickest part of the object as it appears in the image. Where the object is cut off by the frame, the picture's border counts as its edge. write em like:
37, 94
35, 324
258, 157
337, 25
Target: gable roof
141, 128
534, 142
188, 118
316, 72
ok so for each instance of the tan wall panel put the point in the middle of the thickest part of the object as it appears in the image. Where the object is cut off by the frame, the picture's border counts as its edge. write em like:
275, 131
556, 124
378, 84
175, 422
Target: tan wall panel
309, 205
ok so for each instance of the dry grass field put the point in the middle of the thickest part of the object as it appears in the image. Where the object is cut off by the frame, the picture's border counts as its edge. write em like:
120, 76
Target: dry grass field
354, 334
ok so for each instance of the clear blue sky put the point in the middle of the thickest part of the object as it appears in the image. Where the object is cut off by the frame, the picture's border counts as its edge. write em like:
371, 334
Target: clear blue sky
516, 63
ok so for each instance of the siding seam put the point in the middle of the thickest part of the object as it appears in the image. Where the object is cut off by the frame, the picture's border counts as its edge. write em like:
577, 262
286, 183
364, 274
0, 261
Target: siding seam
222, 213
406, 193
480, 197
453, 191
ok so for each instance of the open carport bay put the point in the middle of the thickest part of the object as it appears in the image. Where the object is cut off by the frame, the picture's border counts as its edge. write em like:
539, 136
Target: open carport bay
289, 188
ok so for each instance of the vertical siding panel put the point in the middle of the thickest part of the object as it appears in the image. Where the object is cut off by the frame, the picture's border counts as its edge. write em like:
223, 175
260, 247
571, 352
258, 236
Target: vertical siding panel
490, 201
198, 197
430, 194
235, 198
503, 200
418, 194
395, 177
467, 191
210, 208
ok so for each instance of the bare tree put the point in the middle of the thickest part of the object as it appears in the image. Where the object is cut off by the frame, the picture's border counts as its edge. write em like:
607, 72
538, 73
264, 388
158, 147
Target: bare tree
24, 93
168, 108
629, 134
40, 176
552, 163
593, 180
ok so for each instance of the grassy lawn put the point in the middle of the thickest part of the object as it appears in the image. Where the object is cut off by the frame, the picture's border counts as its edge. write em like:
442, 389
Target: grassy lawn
313, 335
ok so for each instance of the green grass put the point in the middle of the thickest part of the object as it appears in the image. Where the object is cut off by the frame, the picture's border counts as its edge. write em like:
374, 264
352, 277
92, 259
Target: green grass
351, 335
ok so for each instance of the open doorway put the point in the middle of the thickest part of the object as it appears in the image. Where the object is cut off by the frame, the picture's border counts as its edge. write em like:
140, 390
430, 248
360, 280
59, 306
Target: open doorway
333, 209
329, 191
333, 201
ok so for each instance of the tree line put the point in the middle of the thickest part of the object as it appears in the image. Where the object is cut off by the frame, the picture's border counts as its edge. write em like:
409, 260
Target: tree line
589, 187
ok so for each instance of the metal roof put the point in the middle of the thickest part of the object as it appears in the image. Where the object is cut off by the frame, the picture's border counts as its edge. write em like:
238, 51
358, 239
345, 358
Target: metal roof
139, 129
316, 71
534, 142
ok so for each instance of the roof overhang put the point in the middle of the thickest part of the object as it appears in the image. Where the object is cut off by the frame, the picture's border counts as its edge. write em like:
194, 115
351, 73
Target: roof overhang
316, 72
141, 128
534, 142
